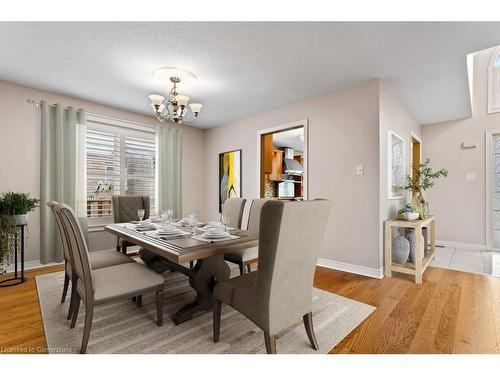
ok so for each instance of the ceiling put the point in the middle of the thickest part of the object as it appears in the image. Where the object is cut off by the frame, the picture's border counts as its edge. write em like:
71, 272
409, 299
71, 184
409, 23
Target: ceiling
290, 138
247, 68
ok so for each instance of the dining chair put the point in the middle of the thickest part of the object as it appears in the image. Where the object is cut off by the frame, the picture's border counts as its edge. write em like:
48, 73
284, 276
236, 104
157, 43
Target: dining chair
279, 293
124, 210
233, 207
99, 259
245, 257
104, 285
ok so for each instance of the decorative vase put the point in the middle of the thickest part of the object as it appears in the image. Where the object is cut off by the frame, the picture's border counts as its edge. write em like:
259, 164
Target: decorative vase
410, 236
400, 250
423, 205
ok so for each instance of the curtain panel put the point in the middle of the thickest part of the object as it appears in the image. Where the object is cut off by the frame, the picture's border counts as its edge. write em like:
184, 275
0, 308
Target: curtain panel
62, 172
169, 169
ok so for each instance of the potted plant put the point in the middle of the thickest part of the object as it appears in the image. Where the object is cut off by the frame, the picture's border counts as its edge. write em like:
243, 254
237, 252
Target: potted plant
424, 179
408, 212
14, 209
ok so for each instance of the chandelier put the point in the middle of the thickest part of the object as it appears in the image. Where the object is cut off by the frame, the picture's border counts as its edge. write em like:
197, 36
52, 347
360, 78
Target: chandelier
174, 107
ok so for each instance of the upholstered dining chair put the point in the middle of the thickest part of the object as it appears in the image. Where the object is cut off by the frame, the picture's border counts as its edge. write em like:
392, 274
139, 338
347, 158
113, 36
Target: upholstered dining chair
104, 285
99, 259
125, 209
245, 257
279, 293
233, 207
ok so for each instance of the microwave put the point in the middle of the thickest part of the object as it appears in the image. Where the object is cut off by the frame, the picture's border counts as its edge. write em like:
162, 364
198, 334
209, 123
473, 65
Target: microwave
286, 189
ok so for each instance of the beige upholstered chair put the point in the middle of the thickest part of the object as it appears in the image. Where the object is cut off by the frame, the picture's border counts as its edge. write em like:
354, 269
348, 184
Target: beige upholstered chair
125, 209
97, 260
233, 207
95, 287
279, 293
245, 257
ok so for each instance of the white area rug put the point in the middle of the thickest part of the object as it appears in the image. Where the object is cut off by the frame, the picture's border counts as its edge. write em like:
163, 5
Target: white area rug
122, 327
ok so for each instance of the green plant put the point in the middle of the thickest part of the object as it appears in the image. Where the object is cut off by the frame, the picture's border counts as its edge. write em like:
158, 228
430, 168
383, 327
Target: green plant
17, 203
407, 208
425, 177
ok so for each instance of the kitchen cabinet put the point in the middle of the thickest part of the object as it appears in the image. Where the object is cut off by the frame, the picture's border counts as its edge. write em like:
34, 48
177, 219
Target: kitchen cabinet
276, 166
267, 153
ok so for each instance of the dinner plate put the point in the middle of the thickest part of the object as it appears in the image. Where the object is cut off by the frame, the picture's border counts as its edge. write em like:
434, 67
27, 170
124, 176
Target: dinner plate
216, 235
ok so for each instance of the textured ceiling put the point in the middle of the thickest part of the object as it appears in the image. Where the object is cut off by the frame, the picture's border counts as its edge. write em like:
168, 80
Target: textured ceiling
247, 68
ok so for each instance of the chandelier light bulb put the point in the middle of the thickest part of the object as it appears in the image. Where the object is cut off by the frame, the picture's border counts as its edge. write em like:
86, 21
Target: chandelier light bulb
195, 107
156, 100
182, 100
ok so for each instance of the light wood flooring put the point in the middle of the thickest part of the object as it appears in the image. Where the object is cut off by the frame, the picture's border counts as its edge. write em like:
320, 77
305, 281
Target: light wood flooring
451, 312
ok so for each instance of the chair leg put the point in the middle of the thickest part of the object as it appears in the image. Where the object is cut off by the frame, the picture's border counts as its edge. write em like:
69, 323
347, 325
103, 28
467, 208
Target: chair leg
72, 299
159, 307
308, 324
270, 343
249, 268
65, 287
89, 312
242, 269
216, 315
191, 264
138, 301
118, 248
74, 313
124, 249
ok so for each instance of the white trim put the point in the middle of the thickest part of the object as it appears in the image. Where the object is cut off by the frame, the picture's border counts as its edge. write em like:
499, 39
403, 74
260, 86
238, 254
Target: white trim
305, 153
30, 265
352, 268
389, 166
461, 245
114, 121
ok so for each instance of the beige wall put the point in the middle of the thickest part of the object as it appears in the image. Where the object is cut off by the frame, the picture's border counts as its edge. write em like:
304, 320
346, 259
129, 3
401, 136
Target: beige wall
20, 153
393, 116
343, 132
460, 205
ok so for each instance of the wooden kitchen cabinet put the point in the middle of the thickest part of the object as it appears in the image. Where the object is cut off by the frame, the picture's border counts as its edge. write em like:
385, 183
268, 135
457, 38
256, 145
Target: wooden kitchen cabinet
267, 153
276, 166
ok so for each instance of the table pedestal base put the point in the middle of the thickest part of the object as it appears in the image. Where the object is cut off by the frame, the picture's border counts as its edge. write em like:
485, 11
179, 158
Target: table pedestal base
204, 275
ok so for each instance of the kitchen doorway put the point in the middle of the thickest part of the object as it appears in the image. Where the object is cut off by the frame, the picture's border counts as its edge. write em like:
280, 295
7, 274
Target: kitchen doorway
282, 172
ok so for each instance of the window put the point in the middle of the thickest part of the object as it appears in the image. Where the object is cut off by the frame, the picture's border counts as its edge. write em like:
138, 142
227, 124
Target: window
120, 160
494, 83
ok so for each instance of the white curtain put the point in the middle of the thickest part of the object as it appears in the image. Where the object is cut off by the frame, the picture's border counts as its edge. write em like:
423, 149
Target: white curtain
169, 169
62, 173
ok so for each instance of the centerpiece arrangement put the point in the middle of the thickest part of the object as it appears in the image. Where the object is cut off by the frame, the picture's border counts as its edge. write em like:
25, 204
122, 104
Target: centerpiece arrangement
14, 209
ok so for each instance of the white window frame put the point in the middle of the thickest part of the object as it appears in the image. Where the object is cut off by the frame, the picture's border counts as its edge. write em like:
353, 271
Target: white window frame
493, 83
126, 128
489, 222
390, 194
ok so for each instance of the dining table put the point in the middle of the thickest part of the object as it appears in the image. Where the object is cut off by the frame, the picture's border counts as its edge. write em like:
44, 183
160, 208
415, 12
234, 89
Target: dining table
182, 249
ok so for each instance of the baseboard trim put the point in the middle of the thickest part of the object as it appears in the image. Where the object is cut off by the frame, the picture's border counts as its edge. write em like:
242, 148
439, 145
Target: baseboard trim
461, 245
351, 268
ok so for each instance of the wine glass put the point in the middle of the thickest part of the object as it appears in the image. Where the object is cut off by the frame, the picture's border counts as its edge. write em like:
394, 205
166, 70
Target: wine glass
192, 221
140, 213
225, 219
170, 215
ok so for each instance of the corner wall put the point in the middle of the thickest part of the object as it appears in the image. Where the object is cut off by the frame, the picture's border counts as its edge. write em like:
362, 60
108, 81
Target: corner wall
459, 205
343, 132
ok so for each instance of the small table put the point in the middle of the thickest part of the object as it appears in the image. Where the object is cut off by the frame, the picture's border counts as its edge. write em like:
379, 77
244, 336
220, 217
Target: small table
18, 241
422, 261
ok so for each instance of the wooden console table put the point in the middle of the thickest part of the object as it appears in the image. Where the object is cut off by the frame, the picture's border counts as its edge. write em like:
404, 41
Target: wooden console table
422, 261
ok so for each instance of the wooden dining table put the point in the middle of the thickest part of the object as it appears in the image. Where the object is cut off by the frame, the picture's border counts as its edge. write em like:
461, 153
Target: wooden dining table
209, 256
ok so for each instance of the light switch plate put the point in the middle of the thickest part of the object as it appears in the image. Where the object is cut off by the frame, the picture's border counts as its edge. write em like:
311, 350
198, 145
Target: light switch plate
470, 177
360, 169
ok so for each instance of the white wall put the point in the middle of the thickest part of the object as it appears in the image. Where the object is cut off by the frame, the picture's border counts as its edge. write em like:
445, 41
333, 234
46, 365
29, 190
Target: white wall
459, 205
20, 154
393, 116
343, 132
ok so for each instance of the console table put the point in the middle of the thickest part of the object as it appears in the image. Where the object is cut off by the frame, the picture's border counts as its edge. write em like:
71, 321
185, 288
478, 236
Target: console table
422, 261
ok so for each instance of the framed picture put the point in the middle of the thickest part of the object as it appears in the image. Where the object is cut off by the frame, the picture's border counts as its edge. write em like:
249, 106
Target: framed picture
396, 166
229, 176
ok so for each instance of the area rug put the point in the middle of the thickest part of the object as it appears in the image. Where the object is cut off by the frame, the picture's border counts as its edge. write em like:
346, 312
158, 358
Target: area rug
122, 327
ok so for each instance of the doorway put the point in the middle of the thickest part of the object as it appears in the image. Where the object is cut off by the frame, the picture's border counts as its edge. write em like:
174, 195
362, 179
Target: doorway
282, 172
416, 157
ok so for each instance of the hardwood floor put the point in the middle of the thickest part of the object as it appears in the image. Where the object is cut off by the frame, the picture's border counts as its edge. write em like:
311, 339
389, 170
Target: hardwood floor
451, 312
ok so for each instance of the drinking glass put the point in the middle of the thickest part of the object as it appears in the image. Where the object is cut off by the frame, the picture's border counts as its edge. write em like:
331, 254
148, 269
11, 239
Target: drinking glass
192, 223
170, 215
225, 220
140, 213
